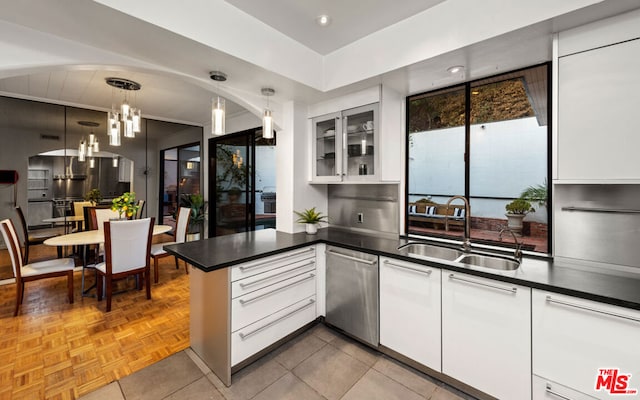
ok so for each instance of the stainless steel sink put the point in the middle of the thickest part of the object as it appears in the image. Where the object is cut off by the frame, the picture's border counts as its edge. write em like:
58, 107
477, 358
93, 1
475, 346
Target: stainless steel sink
499, 263
427, 250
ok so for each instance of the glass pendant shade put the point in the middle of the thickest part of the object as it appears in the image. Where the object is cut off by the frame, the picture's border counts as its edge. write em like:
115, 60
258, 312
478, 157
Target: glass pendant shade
217, 117
124, 110
136, 120
92, 139
96, 146
89, 151
128, 127
114, 162
81, 151
92, 163
267, 125
114, 124
114, 139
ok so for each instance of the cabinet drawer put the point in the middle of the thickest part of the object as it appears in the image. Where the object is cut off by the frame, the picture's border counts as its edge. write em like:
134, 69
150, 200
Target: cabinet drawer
574, 338
260, 281
544, 389
255, 337
261, 303
268, 263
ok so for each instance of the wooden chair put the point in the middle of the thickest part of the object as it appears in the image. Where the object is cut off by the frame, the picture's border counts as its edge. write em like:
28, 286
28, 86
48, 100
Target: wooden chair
179, 236
127, 245
32, 238
140, 209
34, 271
78, 209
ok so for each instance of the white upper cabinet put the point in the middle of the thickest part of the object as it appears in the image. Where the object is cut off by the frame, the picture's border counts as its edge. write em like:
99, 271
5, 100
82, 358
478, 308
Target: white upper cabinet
345, 145
358, 138
597, 89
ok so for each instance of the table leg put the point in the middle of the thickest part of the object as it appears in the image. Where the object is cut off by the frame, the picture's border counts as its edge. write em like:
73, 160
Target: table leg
85, 292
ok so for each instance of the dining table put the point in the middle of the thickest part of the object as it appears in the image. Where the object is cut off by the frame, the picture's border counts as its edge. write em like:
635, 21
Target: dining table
92, 237
69, 221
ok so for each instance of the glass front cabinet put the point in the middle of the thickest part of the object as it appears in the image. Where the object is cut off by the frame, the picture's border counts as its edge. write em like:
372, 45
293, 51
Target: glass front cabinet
345, 145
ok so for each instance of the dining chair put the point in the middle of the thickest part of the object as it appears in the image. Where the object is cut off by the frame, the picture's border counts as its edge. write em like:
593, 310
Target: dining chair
24, 272
127, 246
35, 237
179, 236
78, 209
140, 209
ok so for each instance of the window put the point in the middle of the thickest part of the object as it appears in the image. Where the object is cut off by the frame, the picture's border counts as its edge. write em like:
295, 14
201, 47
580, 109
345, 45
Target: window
487, 140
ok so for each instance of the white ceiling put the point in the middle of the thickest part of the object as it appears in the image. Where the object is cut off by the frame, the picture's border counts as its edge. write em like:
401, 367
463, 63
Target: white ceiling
82, 42
350, 20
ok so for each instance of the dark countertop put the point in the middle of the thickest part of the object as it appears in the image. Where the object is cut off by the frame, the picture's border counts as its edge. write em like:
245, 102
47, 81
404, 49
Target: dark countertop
539, 273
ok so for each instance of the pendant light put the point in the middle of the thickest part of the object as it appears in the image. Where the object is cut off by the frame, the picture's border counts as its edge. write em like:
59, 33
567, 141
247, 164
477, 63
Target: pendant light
128, 120
82, 150
92, 162
114, 162
267, 118
218, 106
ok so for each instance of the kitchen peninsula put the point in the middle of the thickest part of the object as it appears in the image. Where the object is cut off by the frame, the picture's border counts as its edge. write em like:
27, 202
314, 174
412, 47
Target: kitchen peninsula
292, 267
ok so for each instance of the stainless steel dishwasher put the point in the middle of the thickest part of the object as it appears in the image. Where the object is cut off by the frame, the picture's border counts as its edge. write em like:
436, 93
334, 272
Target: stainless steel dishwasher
352, 293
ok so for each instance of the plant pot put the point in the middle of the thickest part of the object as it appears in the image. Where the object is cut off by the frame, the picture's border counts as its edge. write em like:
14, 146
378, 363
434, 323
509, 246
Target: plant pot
514, 222
311, 229
192, 237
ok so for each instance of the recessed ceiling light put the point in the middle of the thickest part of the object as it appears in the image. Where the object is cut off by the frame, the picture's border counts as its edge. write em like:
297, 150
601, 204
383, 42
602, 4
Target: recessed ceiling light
323, 20
455, 69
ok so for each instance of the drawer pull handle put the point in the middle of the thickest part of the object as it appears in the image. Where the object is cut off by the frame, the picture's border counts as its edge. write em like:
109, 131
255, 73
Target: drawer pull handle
260, 264
420, 271
246, 284
612, 314
356, 259
554, 393
510, 290
265, 326
252, 299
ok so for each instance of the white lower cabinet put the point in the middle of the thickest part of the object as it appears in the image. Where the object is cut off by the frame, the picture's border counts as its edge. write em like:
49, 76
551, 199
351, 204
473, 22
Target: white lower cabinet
486, 334
252, 338
271, 298
545, 389
574, 339
410, 311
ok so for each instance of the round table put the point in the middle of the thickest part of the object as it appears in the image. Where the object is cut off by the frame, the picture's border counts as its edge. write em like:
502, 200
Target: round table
93, 237
68, 220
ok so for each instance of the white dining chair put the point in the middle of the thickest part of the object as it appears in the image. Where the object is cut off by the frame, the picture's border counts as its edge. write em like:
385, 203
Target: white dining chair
179, 236
127, 246
34, 271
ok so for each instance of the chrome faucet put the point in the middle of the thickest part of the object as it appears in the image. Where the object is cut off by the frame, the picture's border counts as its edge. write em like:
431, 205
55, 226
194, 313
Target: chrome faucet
466, 235
518, 252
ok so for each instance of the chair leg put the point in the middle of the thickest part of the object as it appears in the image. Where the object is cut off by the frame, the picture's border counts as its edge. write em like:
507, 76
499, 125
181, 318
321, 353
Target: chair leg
156, 275
109, 291
26, 252
147, 283
186, 268
59, 251
19, 293
177, 266
98, 286
70, 285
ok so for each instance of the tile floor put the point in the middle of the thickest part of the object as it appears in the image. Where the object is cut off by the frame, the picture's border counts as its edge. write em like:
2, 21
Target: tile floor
318, 364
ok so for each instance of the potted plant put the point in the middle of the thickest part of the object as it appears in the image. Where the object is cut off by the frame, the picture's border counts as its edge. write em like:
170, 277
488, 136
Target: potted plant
94, 196
125, 204
536, 194
196, 219
311, 218
516, 211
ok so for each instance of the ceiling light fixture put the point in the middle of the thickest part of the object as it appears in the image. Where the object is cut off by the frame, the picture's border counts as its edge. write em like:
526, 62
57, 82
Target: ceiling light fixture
114, 161
455, 69
218, 106
323, 20
128, 120
87, 149
267, 118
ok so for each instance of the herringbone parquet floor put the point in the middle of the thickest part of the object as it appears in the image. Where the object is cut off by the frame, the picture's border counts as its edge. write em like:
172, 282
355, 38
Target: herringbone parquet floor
57, 350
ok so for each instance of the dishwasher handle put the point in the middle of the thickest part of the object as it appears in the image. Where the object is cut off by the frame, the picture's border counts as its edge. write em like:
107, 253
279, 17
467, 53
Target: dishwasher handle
356, 259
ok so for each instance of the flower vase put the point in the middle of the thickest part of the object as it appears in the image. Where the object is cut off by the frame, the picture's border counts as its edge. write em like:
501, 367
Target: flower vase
311, 229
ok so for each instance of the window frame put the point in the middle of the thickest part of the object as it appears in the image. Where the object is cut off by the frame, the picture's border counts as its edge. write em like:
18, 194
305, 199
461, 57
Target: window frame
468, 85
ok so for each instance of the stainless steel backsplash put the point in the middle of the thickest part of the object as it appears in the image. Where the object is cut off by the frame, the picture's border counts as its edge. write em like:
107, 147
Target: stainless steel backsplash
378, 205
597, 223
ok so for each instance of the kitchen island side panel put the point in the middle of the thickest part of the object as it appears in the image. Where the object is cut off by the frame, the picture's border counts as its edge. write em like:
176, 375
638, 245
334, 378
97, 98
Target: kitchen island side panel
210, 319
